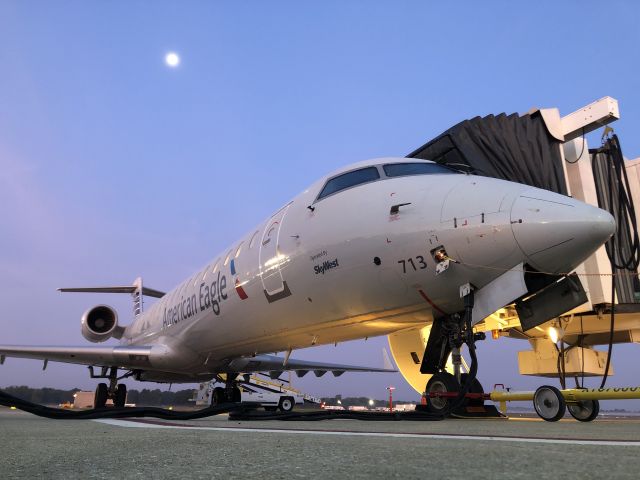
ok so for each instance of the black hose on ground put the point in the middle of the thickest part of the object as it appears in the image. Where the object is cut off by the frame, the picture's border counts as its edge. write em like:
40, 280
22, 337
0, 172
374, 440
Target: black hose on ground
112, 412
236, 411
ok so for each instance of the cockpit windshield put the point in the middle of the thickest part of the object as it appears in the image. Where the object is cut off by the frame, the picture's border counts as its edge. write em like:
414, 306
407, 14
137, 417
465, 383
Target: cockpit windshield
415, 168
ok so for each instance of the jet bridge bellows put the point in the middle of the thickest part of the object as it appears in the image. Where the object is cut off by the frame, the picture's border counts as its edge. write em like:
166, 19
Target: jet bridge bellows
509, 147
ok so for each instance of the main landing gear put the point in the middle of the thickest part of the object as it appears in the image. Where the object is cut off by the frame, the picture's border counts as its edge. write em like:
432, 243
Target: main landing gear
229, 394
113, 391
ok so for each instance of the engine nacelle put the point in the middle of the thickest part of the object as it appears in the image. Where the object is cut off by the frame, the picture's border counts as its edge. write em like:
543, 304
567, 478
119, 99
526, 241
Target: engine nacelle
100, 323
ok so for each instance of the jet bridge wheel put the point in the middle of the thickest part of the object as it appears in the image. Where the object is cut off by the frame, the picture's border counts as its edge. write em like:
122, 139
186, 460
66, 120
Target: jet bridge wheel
100, 398
441, 382
549, 403
584, 410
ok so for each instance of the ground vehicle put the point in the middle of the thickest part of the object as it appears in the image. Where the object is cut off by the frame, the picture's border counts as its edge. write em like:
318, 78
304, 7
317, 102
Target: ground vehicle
269, 394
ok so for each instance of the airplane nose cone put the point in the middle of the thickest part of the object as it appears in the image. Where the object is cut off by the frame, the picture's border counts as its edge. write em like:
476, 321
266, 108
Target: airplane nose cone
556, 232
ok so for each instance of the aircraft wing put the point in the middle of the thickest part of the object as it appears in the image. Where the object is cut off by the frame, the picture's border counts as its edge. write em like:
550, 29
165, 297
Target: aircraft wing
138, 357
127, 357
276, 365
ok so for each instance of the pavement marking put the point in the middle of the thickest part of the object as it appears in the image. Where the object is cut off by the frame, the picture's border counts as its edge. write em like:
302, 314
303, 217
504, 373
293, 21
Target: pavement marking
432, 436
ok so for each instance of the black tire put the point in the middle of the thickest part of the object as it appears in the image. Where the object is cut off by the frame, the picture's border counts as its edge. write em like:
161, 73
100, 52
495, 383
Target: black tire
584, 410
218, 396
100, 398
121, 396
476, 387
440, 382
549, 403
286, 404
237, 395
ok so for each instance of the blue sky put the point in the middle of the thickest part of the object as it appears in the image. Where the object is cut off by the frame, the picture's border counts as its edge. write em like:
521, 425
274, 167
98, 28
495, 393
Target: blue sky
113, 165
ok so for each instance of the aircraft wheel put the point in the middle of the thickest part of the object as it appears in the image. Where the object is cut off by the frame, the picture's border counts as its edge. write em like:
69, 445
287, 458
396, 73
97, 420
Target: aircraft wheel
286, 404
218, 396
549, 403
100, 398
584, 410
121, 396
441, 382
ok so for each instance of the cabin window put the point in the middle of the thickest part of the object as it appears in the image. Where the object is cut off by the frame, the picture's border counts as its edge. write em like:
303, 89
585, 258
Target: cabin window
253, 239
422, 168
199, 277
348, 180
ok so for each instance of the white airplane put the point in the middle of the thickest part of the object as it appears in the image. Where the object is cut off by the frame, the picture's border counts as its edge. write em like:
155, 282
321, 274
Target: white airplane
374, 248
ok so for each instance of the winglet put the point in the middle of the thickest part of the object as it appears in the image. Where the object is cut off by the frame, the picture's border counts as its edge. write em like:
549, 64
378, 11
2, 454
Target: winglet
386, 361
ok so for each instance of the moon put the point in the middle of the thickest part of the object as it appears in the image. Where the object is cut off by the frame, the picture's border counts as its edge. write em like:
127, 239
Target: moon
172, 59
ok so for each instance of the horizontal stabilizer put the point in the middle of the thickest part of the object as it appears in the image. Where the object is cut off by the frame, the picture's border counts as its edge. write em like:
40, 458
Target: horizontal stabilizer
149, 292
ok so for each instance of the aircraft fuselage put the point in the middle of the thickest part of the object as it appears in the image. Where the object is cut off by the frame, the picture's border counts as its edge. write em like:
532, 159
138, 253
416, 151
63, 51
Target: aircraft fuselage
359, 263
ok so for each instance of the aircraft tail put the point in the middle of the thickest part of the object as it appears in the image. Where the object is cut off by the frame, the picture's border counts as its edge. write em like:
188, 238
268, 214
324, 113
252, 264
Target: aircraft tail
137, 290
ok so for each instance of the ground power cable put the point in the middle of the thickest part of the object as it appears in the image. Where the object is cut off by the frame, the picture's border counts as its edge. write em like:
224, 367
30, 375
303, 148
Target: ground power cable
626, 233
236, 411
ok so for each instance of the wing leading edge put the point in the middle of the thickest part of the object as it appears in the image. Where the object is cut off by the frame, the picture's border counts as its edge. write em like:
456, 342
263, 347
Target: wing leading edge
127, 357
144, 357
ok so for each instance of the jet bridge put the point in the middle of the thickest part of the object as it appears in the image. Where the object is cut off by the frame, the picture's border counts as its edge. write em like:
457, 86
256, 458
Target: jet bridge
543, 149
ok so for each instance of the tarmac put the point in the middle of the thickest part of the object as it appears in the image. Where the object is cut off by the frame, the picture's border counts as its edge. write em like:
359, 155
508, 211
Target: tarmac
216, 447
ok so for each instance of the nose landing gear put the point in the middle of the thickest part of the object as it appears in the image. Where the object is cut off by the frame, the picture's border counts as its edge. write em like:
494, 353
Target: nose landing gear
116, 392
459, 393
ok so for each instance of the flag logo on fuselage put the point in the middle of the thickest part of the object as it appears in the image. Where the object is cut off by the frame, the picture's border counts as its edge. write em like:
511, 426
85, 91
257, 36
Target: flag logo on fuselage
240, 291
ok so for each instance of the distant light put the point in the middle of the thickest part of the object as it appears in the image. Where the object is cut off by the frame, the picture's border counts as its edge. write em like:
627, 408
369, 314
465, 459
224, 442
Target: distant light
339, 402
172, 59
370, 402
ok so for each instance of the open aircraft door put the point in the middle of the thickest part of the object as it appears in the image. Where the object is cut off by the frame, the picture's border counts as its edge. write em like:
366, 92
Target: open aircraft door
272, 259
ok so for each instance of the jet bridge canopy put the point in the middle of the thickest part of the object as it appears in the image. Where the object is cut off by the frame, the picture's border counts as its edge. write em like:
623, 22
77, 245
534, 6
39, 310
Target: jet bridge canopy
510, 147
